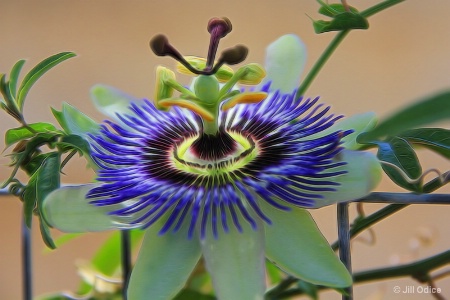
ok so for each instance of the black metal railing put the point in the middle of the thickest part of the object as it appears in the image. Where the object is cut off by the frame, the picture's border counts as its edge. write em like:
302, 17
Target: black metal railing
343, 224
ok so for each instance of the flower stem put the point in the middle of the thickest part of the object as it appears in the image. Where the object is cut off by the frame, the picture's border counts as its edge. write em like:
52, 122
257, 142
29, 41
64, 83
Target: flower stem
336, 42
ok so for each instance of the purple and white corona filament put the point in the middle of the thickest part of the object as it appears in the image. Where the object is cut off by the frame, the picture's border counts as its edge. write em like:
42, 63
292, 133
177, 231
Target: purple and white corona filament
262, 152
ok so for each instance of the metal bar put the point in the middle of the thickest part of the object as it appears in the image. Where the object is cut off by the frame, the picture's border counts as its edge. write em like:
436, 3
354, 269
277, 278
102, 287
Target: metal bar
27, 275
344, 243
126, 260
4, 192
406, 198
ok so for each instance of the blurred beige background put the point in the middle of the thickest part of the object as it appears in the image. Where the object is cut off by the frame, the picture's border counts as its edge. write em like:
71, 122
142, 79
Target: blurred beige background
404, 56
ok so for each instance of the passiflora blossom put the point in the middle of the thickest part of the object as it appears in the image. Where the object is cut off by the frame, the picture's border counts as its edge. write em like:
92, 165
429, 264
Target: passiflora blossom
221, 172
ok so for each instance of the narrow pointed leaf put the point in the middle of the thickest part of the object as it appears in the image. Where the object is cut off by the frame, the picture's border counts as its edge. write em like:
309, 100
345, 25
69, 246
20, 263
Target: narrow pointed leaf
331, 10
399, 152
14, 76
436, 139
35, 73
295, 245
432, 109
163, 265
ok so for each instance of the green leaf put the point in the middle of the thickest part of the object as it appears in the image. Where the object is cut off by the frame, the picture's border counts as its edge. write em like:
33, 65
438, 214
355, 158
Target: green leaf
187, 294
274, 273
14, 76
74, 121
29, 200
343, 21
429, 110
331, 10
436, 139
17, 134
9, 98
399, 152
308, 288
35, 73
107, 259
73, 142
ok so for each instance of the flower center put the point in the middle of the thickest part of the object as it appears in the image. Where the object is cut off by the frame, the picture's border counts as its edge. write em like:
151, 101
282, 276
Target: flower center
202, 155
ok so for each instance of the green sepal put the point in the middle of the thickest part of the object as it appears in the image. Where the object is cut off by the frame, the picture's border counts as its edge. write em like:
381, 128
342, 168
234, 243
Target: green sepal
299, 248
436, 139
432, 109
399, 152
17, 134
342, 21
35, 73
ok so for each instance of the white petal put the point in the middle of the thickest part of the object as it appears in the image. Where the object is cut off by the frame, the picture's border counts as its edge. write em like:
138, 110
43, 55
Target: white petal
163, 265
285, 60
68, 210
236, 263
363, 175
295, 245
110, 101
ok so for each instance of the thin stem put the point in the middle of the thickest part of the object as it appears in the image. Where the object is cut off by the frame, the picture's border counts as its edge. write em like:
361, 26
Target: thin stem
344, 243
126, 259
27, 280
335, 43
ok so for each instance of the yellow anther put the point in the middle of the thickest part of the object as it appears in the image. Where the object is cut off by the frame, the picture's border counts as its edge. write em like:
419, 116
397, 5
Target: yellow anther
223, 74
254, 74
206, 115
247, 97
163, 90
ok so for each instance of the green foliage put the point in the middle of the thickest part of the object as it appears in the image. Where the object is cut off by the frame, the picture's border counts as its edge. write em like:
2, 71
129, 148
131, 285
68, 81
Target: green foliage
13, 99
35, 73
309, 289
15, 135
429, 110
74, 121
397, 135
343, 18
399, 152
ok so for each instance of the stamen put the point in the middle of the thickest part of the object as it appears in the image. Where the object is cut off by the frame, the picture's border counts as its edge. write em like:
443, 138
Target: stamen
231, 56
218, 28
160, 46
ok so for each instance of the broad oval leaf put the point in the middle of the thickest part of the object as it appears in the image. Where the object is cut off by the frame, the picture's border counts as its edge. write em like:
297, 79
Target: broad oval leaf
39, 70
399, 152
76, 122
17, 134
